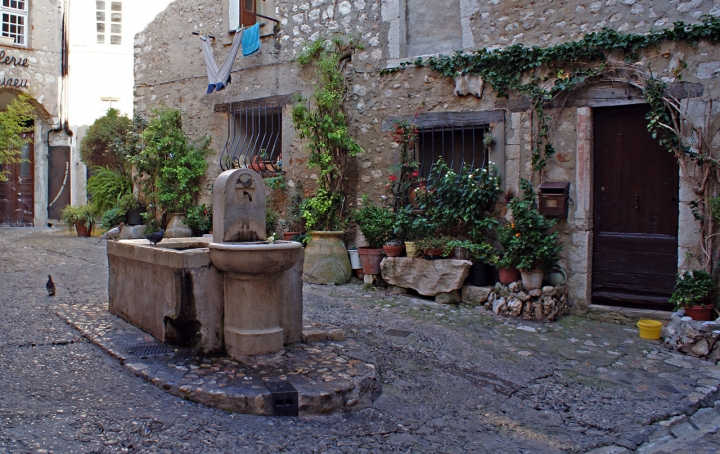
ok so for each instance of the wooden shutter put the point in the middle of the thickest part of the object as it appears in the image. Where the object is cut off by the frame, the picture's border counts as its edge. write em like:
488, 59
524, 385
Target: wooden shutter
247, 13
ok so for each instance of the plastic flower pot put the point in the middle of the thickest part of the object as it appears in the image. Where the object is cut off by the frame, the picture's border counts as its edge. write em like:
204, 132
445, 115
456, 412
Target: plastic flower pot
649, 329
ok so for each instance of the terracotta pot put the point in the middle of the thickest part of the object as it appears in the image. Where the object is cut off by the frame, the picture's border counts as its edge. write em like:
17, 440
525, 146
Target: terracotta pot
508, 275
532, 279
700, 313
359, 273
435, 252
370, 259
393, 251
287, 236
83, 230
326, 259
176, 227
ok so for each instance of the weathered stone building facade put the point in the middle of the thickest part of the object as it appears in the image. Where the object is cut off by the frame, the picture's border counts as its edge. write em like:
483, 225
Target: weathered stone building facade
33, 61
169, 68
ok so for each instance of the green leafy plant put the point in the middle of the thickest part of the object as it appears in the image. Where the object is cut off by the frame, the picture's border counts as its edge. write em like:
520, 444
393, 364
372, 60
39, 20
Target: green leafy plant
170, 165
78, 214
410, 226
276, 182
14, 127
375, 223
322, 123
526, 240
112, 217
692, 288
99, 146
479, 252
200, 219
107, 187
435, 242
271, 218
408, 176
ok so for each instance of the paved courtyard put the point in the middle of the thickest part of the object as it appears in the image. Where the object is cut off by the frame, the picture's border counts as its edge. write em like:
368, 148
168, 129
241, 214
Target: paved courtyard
463, 380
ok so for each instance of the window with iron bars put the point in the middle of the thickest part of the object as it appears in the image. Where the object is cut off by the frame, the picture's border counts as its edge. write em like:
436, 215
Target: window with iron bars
254, 139
15, 20
456, 145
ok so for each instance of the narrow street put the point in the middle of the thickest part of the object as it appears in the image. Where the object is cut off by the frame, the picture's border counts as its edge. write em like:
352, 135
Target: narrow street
463, 380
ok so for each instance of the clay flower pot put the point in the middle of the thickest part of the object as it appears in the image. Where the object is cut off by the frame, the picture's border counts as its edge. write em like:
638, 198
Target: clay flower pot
699, 313
393, 251
326, 259
287, 236
532, 279
370, 259
508, 275
83, 230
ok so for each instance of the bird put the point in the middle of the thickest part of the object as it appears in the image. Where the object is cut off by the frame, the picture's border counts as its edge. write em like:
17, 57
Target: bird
114, 233
50, 286
156, 237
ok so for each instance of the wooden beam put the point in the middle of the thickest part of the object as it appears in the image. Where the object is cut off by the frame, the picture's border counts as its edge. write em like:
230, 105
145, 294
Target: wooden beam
433, 119
275, 101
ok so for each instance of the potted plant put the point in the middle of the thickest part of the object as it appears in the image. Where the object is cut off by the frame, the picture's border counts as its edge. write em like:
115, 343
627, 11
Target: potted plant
376, 225
527, 242
81, 217
410, 227
692, 293
293, 217
200, 219
170, 167
321, 122
434, 246
393, 248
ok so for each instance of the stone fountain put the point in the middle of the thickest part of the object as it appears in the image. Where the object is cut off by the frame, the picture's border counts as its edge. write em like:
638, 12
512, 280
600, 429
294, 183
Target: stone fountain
253, 268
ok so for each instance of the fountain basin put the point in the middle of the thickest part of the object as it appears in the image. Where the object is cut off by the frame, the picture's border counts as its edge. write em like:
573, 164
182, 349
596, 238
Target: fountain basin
256, 257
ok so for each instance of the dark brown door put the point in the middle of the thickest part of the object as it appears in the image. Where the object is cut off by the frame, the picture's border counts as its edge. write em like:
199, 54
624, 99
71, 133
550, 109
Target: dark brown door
17, 194
58, 180
635, 212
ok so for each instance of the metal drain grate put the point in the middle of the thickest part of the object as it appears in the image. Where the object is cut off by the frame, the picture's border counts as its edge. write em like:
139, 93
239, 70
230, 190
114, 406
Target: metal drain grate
397, 332
148, 349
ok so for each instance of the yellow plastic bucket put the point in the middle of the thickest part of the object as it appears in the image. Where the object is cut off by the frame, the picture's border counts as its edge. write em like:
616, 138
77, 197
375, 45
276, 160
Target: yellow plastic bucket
649, 329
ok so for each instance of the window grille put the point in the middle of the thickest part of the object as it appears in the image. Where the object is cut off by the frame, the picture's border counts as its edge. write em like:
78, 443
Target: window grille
254, 138
15, 20
456, 145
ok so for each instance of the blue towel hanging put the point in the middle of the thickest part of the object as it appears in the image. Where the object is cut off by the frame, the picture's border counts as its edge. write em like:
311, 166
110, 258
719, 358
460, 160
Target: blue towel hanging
251, 40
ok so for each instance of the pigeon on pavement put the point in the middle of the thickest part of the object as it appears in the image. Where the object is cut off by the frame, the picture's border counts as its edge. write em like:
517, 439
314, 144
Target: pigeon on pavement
156, 237
113, 234
50, 286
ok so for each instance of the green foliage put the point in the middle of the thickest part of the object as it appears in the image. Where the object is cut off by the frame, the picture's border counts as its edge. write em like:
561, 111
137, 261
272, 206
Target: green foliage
112, 217
322, 123
99, 145
435, 242
375, 223
271, 218
410, 226
454, 202
714, 204
691, 288
107, 187
77, 214
275, 182
408, 176
479, 252
526, 241
170, 165
200, 219
320, 211
13, 123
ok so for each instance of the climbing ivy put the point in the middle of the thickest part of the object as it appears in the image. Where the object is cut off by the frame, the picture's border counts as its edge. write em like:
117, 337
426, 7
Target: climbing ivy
516, 69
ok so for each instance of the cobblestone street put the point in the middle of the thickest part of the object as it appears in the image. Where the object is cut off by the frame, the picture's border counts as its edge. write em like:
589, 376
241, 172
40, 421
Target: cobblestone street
463, 380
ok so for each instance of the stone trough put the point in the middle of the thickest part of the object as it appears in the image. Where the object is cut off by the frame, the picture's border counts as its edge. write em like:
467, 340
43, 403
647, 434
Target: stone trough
174, 292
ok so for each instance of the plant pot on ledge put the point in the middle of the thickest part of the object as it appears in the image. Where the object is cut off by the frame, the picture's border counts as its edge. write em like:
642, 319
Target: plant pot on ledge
532, 279
700, 313
83, 230
370, 259
508, 275
393, 250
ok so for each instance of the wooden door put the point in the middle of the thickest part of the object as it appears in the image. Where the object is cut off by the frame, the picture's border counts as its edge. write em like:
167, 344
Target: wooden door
17, 194
247, 13
635, 211
59, 181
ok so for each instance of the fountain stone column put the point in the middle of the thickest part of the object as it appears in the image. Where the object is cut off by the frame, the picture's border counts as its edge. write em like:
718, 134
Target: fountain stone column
252, 269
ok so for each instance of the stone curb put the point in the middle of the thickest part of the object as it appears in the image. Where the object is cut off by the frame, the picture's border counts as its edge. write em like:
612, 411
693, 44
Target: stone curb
327, 375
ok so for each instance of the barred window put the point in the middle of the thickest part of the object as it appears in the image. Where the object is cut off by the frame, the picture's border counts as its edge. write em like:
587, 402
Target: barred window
15, 20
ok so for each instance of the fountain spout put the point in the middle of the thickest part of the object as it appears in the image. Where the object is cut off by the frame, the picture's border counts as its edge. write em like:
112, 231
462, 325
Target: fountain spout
248, 195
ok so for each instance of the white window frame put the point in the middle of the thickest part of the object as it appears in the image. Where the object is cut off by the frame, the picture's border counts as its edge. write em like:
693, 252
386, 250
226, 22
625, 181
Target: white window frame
17, 13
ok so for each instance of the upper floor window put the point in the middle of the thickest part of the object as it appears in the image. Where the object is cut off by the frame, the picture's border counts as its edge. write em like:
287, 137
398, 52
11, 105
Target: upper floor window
109, 19
248, 12
15, 20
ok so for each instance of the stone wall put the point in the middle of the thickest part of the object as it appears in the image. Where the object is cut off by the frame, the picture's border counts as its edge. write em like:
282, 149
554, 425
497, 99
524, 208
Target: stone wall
169, 68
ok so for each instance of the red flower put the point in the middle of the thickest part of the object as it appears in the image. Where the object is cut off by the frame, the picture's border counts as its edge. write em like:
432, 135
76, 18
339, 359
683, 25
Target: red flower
415, 174
392, 178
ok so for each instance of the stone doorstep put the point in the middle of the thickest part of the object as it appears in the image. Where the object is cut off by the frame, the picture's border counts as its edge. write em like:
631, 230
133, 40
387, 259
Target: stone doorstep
328, 376
624, 314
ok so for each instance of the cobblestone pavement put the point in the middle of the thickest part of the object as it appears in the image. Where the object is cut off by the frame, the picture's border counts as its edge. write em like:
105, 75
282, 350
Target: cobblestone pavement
463, 380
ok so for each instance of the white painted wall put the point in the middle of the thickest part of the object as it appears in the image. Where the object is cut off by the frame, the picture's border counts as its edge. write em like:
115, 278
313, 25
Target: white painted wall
101, 70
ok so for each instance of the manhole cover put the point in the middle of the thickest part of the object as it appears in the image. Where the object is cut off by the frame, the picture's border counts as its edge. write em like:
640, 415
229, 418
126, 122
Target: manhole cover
397, 332
148, 349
